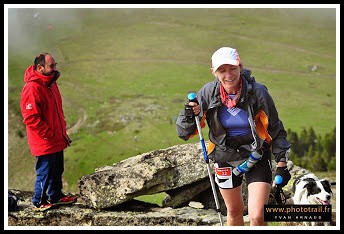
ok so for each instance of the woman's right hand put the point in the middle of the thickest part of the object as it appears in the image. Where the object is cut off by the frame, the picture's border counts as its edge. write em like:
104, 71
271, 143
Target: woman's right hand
192, 109
195, 107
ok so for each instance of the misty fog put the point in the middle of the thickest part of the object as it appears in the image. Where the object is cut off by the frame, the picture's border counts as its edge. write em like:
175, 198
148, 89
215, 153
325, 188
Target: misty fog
27, 26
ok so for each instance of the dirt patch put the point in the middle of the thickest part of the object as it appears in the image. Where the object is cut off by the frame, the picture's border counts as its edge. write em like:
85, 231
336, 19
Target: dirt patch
81, 121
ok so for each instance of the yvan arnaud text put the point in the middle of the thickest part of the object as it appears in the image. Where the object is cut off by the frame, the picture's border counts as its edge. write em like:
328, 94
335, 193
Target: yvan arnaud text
297, 213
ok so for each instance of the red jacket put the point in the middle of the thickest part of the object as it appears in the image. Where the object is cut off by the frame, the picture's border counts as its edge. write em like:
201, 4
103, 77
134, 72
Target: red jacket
41, 108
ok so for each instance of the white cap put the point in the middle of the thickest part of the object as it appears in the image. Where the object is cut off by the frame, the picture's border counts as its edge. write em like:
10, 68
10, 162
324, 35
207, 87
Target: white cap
225, 55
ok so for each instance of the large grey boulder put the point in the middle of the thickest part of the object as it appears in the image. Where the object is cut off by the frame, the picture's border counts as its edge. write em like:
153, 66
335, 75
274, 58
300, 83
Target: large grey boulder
180, 171
145, 174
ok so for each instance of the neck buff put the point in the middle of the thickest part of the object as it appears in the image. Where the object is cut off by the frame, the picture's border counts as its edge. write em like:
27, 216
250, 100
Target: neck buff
226, 99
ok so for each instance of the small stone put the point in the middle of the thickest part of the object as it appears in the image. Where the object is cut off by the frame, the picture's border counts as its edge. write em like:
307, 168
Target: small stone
196, 205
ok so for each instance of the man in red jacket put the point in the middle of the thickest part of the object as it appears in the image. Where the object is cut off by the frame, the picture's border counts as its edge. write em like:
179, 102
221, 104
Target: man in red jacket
41, 108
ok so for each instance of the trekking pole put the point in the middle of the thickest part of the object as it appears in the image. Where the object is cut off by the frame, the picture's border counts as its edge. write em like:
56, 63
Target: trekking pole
279, 195
192, 98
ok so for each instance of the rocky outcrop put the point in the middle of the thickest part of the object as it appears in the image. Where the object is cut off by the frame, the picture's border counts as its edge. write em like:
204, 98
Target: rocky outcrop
145, 174
107, 196
131, 213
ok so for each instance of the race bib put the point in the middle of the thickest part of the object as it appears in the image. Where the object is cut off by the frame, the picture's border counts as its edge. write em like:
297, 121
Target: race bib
223, 176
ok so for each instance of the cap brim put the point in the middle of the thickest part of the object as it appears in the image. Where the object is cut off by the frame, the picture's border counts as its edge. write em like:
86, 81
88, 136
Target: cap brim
229, 62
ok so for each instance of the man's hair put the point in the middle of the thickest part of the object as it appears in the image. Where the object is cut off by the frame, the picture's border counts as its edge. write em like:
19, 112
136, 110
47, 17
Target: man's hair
40, 59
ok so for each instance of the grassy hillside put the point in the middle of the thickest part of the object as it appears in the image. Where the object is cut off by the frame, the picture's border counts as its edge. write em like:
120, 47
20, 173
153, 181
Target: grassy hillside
126, 74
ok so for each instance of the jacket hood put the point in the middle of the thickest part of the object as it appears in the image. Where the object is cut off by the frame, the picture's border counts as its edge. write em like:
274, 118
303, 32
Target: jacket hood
32, 75
246, 72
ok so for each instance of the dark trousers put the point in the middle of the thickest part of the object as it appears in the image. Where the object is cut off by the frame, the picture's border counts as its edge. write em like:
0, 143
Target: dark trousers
48, 184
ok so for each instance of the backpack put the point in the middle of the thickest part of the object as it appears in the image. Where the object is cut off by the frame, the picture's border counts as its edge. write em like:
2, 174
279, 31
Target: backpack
12, 201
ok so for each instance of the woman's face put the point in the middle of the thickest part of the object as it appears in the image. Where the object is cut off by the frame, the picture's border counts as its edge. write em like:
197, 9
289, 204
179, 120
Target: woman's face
229, 76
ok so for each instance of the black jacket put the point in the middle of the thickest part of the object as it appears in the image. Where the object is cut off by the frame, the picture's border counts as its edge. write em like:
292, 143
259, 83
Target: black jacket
255, 99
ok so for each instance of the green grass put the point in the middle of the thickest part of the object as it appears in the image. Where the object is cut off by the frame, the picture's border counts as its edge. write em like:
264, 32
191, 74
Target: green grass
153, 199
331, 175
130, 70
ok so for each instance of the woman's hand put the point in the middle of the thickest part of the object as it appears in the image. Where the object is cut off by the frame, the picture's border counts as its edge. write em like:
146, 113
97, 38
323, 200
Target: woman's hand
192, 109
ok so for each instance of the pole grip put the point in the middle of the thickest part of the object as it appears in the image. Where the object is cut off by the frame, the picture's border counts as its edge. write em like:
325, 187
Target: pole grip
278, 179
192, 97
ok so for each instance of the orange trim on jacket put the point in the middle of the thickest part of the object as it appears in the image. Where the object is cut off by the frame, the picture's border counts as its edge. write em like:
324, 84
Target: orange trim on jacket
202, 123
262, 122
